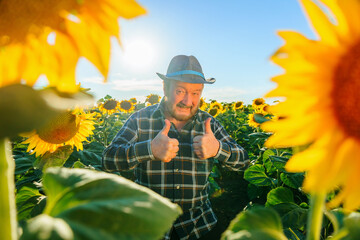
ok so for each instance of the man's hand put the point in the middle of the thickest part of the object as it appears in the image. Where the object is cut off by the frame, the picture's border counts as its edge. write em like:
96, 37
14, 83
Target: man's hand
163, 147
206, 146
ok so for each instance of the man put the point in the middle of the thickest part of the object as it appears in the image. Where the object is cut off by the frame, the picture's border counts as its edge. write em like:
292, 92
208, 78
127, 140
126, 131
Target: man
172, 147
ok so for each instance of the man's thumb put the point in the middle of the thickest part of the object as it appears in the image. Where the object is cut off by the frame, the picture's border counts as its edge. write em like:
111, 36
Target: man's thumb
166, 128
208, 126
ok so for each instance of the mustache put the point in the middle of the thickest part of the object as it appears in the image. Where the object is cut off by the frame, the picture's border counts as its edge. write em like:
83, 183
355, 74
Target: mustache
182, 105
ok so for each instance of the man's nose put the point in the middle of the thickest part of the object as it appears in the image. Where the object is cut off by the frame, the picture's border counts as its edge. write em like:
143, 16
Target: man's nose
187, 100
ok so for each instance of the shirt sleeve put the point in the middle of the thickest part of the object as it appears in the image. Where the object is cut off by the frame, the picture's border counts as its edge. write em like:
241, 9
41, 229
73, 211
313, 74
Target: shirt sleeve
230, 154
125, 152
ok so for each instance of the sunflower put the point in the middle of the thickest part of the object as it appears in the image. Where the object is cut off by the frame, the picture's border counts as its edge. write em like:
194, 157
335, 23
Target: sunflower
203, 105
133, 100
257, 103
238, 105
48, 37
70, 128
227, 107
126, 106
214, 111
264, 109
152, 99
110, 106
321, 86
216, 104
252, 122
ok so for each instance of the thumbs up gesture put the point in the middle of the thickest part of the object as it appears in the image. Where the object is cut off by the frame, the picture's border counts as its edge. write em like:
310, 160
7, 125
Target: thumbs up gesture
206, 146
163, 147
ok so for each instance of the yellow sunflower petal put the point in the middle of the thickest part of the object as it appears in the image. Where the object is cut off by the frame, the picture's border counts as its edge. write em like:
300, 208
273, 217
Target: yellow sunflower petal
320, 22
348, 10
29, 51
320, 90
87, 41
71, 128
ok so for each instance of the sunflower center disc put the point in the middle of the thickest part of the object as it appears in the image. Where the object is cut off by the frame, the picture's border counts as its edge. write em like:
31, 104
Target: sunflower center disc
213, 111
110, 105
259, 102
60, 130
346, 92
125, 105
153, 99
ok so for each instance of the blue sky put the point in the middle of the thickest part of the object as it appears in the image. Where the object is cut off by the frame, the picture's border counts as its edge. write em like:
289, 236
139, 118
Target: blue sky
233, 41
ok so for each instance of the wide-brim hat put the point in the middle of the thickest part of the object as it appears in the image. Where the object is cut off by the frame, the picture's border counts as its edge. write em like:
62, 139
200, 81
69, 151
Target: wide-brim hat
185, 69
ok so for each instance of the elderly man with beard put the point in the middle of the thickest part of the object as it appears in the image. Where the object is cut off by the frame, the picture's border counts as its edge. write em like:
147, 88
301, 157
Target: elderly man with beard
172, 147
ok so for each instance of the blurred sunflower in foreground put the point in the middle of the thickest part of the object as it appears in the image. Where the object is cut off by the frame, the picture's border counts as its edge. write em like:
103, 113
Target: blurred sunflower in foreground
126, 106
70, 128
109, 106
321, 85
152, 99
48, 37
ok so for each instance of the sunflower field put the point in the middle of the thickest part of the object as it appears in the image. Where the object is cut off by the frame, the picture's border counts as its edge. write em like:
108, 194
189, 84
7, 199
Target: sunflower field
302, 182
76, 140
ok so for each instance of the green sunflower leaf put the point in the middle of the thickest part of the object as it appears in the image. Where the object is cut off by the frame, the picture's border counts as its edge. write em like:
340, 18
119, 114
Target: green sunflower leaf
98, 205
256, 223
257, 176
351, 224
293, 180
279, 195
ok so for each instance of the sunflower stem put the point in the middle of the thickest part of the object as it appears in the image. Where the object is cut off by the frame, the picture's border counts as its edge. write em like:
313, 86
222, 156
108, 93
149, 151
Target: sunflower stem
315, 217
7, 192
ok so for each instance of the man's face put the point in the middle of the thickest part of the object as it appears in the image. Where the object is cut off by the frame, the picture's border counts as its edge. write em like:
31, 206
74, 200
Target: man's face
183, 99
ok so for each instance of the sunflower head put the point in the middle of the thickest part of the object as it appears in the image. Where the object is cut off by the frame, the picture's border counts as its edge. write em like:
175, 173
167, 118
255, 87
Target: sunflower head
133, 100
126, 106
152, 99
256, 104
238, 105
321, 88
264, 109
70, 128
217, 105
252, 122
227, 107
203, 105
47, 37
214, 111
60, 130
109, 106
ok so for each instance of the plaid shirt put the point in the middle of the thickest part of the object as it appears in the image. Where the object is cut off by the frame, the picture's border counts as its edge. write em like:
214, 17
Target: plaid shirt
184, 180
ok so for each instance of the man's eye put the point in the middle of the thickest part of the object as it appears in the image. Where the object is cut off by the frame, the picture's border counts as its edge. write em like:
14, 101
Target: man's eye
180, 92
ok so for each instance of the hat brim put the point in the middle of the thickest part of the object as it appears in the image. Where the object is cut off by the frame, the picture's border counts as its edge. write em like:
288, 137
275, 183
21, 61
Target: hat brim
189, 78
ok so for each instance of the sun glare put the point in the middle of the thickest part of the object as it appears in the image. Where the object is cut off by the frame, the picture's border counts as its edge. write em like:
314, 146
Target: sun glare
139, 54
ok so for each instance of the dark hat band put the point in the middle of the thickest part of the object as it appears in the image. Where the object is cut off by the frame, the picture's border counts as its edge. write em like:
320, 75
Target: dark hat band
185, 72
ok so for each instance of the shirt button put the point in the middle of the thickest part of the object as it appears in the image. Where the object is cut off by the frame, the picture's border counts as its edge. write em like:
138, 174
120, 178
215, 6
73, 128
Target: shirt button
177, 187
176, 170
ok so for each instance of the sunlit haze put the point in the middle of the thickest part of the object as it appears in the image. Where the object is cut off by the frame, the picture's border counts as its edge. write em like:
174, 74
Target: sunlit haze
233, 40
